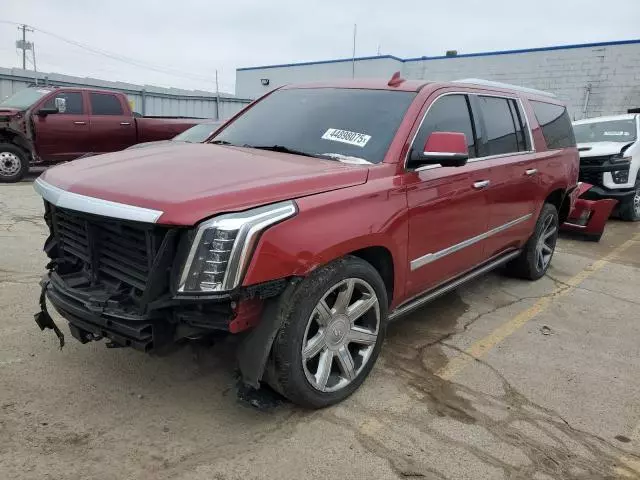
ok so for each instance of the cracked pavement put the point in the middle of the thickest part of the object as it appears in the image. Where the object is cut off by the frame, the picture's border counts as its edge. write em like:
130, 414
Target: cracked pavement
564, 404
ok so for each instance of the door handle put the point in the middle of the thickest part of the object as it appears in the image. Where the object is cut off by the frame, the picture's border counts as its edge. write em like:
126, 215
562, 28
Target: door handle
125, 123
531, 171
79, 123
482, 184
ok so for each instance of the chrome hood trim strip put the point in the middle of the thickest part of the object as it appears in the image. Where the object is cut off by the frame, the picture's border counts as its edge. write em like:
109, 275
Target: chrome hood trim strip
82, 203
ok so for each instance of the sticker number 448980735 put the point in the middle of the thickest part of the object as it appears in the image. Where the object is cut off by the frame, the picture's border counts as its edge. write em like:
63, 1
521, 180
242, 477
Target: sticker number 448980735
345, 136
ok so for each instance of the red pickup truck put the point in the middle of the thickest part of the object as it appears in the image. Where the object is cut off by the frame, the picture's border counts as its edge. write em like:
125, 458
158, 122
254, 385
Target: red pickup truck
49, 125
307, 235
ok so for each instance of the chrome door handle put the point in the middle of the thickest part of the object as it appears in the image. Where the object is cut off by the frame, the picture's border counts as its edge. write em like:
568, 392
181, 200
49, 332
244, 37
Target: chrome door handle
482, 184
531, 171
79, 123
125, 123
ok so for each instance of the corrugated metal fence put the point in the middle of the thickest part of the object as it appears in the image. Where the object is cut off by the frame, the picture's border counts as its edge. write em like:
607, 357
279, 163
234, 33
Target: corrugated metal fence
147, 100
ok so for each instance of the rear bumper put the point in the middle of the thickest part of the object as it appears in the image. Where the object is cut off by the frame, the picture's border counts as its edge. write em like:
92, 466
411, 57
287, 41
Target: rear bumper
589, 217
601, 193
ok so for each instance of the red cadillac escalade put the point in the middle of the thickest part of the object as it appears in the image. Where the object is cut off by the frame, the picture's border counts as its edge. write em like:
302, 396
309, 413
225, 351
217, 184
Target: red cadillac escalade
308, 222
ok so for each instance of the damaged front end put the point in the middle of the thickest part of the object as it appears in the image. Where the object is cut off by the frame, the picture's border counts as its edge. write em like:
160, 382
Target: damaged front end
116, 279
589, 214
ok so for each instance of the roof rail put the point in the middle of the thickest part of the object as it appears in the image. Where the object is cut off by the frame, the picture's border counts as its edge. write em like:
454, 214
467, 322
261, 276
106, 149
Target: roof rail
491, 83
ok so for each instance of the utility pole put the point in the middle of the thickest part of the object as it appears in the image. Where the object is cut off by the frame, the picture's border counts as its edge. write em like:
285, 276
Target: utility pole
217, 98
24, 45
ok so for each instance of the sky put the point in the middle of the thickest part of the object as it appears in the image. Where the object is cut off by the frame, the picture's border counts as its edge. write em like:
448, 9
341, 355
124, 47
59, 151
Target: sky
182, 44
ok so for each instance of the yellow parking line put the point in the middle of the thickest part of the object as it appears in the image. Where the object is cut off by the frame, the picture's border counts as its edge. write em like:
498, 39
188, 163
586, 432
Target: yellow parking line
484, 345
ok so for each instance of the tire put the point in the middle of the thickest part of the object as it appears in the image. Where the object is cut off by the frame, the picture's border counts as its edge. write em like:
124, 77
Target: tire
529, 265
14, 163
326, 336
630, 210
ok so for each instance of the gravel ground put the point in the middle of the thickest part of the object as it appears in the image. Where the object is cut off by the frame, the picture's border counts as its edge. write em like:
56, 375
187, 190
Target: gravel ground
500, 379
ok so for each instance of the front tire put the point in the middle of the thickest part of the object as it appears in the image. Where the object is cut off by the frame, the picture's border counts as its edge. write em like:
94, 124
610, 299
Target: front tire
537, 253
333, 327
630, 210
14, 163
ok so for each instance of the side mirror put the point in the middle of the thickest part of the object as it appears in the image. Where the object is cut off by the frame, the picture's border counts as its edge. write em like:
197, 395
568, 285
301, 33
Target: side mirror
43, 112
448, 149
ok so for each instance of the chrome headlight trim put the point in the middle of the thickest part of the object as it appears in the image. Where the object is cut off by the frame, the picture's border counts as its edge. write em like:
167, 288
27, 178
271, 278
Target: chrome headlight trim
248, 225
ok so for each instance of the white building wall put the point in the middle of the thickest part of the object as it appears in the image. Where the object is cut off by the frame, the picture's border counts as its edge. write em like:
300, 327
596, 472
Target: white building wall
249, 80
610, 72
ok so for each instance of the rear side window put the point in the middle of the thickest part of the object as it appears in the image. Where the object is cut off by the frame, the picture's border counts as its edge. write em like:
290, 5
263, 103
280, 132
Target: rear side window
73, 103
105, 104
500, 126
450, 113
556, 125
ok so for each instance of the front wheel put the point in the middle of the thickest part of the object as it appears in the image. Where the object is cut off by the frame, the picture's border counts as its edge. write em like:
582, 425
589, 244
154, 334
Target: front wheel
14, 163
537, 253
333, 329
630, 210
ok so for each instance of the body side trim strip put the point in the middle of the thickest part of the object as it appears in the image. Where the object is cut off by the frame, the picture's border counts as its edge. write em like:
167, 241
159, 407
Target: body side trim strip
82, 203
429, 295
432, 257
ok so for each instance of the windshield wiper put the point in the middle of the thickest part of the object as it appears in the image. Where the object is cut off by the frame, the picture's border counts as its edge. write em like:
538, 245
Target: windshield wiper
282, 149
222, 142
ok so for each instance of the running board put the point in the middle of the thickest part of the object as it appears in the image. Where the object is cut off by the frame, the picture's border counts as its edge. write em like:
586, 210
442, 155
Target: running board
412, 305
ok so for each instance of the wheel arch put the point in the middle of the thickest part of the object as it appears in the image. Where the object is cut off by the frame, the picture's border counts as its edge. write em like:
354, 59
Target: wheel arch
8, 135
560, 199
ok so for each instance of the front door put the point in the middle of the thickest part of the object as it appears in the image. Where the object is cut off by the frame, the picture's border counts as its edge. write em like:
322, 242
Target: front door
448, 208
111, 128
64, 135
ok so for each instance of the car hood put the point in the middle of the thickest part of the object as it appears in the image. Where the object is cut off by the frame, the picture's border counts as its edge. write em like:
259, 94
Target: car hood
596, 149
155, 143
190, 182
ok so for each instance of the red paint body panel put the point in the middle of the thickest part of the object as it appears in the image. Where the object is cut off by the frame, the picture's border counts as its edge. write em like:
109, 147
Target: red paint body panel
211, 179
343, 208
598, 212
60, 137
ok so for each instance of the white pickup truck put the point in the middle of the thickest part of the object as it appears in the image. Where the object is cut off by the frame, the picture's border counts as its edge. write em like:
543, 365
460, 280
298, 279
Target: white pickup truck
610, 160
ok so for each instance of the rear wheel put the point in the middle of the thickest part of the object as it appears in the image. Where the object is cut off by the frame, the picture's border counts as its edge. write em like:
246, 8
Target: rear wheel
537, 253
332, 332
630, 210
14, 163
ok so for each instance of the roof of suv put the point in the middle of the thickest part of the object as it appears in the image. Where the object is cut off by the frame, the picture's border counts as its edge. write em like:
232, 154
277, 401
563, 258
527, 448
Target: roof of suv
627, 116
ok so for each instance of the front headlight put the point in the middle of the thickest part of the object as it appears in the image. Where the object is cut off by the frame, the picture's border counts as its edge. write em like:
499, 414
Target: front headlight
222, 247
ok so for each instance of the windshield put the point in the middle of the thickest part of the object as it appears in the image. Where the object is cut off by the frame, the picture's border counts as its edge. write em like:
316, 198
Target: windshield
24, 98
611, 131
349, 124
197, 134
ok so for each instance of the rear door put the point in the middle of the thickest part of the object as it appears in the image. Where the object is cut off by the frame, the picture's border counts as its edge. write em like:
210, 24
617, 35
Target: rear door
514, 187
112, 129
65, 135
448, 208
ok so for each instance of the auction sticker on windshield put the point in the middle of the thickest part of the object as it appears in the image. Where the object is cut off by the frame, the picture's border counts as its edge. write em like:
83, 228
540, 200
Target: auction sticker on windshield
345, 136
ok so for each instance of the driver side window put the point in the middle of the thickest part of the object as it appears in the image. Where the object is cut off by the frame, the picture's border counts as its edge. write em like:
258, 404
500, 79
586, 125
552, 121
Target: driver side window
74, 105
450, 113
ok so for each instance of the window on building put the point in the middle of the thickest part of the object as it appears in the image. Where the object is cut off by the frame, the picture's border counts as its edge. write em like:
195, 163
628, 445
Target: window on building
73, 103
105, 104
556, 125
450, 113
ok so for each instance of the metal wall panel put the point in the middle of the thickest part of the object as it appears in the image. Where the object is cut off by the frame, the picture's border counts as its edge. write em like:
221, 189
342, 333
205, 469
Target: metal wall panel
147, 100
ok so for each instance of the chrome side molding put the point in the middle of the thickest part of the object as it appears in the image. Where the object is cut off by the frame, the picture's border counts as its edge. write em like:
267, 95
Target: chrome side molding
432, 257
430, 295
82, 203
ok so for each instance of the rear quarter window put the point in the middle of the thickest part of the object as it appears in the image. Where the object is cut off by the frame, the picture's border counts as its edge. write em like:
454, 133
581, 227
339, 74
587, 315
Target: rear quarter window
556, 125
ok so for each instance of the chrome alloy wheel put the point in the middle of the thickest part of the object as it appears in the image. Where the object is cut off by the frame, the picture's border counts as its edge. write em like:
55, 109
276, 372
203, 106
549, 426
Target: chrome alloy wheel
636, 203
546, 243
341, 334
9, 164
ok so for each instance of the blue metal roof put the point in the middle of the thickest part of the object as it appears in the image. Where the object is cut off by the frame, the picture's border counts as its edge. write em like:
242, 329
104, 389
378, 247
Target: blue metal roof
444, 57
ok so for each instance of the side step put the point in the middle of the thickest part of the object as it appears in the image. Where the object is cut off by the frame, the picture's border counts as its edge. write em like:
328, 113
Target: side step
426, 297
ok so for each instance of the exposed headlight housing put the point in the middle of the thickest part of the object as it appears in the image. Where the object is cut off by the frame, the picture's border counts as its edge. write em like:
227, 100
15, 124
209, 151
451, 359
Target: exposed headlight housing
222, 248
